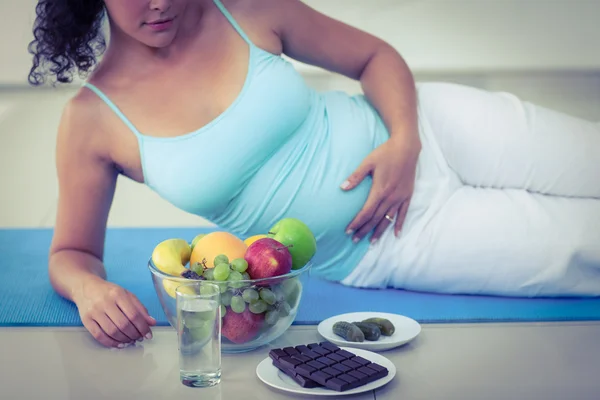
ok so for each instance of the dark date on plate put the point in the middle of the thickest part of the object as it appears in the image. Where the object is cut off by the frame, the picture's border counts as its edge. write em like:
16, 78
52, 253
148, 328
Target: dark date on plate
370, 329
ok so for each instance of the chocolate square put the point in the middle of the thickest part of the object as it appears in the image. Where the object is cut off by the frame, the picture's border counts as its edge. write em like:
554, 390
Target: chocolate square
316, 364
341, 367
305, 369
326, 361
302, 358
276, 354
311, 354
290, 351
329, 346
334, 372
302, 348
320, 377
351, 364
335, 357
361, 361
289, 362
345, 354
321, 351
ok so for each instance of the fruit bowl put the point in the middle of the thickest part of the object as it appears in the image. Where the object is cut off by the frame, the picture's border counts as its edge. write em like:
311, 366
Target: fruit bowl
247, 323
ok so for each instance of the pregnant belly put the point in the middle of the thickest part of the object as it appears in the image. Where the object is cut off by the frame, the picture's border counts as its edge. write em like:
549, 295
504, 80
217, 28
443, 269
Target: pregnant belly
326, 209
309, 191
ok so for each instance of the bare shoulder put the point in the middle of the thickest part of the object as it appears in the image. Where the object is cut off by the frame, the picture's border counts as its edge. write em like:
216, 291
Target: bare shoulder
81, 125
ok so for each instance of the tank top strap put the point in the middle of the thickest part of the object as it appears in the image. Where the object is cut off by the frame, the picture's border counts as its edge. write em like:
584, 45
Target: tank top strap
113, 107
232, 21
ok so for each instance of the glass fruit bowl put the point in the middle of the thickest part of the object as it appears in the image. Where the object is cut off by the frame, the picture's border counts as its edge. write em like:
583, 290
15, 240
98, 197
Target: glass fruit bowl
247, 322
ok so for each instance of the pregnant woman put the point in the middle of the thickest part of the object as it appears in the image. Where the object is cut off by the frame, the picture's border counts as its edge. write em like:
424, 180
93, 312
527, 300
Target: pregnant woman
435, 187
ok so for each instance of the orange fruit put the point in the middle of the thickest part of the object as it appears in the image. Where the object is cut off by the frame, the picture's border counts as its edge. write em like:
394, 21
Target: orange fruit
217, 243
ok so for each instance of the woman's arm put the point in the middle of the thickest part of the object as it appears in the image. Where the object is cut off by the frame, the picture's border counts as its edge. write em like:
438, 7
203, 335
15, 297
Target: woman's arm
87, 183
86, 186
313, 38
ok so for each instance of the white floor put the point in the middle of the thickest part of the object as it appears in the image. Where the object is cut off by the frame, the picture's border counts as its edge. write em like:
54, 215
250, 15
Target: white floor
29, 119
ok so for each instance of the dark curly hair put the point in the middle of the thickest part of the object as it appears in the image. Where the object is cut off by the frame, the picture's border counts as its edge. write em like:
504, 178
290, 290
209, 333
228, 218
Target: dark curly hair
67, 36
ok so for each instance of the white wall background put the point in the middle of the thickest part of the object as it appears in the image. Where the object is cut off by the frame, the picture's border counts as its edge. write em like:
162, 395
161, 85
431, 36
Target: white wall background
545, 51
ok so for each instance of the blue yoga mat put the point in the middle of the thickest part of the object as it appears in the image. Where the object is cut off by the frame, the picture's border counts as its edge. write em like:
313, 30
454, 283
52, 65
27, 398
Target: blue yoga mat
27, 299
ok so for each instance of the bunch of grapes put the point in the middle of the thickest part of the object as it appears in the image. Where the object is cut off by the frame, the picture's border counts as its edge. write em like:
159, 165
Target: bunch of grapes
223, 271
231, 274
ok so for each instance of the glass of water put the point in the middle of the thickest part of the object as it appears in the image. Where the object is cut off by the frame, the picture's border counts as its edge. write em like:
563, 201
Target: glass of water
199, 333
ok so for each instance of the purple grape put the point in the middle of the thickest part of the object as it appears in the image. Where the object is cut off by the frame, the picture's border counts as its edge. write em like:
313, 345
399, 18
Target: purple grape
191, 275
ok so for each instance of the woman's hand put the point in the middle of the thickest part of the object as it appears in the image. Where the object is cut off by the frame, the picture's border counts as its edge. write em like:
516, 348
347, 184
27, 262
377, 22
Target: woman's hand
393, 167
113, 315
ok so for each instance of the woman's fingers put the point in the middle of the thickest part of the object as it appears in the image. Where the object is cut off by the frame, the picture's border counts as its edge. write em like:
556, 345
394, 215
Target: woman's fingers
98, 333
384, 223
137, 315
364, 216
143, 310
123, 322
401, 217
110, 329
357, 176
377, 217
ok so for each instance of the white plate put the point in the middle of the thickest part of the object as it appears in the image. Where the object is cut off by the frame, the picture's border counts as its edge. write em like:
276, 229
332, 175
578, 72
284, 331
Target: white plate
272, 376
406, 330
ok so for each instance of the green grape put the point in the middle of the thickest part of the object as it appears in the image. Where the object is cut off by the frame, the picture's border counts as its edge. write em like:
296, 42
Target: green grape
198, 268
285, 309
222, 287
239, 265
221, 272
291, 290
221, 259
238, 305
246, 276
271, 317
258, 307
234, 279
209, 274
207, 290
226, 299
223, 310
250, 295
268, 296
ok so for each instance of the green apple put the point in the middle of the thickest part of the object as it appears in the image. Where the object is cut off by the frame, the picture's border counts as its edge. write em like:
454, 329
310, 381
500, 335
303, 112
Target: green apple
196, 239
296, 234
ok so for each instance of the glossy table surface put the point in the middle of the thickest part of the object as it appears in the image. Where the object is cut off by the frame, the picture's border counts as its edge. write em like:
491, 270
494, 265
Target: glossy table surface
453, 361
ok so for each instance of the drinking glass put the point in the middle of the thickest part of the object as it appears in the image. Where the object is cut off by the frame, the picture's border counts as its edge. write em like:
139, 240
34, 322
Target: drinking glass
199, 333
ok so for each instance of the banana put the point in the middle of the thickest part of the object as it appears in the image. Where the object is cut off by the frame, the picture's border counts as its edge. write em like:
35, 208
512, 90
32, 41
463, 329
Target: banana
171, 285
171, 256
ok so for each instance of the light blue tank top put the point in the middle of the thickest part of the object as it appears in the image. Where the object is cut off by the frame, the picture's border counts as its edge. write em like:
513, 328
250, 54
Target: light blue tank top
280, 150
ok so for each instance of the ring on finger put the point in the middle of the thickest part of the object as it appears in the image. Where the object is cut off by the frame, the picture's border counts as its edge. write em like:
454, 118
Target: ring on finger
389, 218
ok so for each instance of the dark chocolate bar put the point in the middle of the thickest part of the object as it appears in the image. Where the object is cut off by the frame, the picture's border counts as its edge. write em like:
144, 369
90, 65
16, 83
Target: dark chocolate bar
325, 364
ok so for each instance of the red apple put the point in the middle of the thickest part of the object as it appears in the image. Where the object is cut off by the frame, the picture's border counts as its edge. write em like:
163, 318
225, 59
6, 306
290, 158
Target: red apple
268, 258
241, 328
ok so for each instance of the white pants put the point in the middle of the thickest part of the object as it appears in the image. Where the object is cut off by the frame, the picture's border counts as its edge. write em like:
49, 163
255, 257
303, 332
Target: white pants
507, 202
